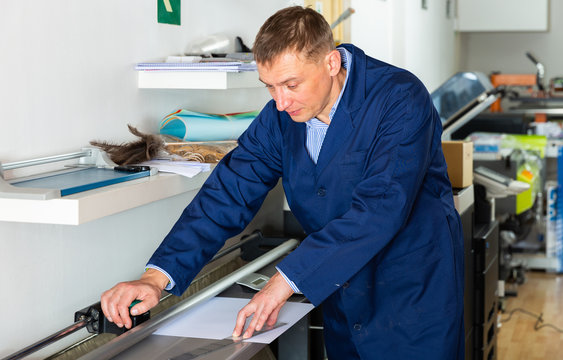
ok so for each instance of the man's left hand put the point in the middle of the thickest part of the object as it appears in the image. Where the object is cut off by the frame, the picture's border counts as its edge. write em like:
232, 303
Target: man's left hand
265, 306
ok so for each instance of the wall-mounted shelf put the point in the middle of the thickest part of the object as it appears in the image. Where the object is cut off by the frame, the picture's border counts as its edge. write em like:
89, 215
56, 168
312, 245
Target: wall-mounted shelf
94, 204
202, 80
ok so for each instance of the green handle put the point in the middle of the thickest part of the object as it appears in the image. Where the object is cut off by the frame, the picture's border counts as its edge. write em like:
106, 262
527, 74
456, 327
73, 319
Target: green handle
135, 302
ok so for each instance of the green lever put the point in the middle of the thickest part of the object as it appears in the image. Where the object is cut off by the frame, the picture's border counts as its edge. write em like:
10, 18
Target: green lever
135, 302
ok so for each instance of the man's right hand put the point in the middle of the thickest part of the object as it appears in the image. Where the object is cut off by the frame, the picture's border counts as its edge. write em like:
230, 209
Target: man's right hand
116, 301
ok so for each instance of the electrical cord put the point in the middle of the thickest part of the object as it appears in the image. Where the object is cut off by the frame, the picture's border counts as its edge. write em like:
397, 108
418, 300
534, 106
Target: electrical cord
539, 319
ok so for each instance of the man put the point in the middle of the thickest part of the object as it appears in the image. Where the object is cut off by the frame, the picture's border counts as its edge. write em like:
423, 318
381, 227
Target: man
384, 252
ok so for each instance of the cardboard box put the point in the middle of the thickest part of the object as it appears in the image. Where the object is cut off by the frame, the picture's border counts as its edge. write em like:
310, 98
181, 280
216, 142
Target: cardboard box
459, 157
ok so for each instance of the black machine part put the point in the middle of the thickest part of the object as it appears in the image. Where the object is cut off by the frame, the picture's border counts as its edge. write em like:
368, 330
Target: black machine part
99, 324
540, 70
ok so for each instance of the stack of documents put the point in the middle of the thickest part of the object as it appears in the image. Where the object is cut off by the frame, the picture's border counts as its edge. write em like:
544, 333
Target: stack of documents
226, 66
180, 167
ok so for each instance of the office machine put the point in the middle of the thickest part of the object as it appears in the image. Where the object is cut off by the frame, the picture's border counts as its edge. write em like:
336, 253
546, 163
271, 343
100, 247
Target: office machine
462, 97
497, 185
490, 256
485, 295
521, 80
94, 169
537, 101
458, 101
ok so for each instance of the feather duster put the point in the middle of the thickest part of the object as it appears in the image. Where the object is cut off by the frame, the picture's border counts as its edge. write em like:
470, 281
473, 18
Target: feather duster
144, 149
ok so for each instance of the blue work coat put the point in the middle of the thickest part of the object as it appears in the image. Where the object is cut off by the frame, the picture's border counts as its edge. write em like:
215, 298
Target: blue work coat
384, 251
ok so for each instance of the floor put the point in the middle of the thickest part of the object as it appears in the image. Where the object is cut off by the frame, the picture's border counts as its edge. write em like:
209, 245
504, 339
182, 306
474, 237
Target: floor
517, 340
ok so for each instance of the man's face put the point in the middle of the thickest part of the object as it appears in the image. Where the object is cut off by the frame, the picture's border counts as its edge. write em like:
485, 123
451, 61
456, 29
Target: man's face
302, 88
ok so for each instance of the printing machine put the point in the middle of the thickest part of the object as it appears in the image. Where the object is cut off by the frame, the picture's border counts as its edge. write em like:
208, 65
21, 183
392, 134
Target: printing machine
141, 343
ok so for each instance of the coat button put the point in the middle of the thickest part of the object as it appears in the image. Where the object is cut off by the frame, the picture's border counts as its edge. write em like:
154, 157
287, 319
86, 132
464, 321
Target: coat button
321, 192
357, 327
345, 285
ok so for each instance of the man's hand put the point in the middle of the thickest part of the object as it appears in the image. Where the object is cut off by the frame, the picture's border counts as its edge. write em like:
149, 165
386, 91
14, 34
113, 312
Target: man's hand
116, 301
265, 306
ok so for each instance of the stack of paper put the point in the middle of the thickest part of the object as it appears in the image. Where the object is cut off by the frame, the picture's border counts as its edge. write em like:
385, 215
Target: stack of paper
180, 167
227, 66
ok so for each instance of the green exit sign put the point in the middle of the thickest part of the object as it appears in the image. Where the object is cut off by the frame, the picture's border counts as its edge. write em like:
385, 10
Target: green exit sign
168, 11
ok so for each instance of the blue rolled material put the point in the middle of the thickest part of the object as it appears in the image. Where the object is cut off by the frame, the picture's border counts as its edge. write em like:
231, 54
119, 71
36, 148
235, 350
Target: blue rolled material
194, 126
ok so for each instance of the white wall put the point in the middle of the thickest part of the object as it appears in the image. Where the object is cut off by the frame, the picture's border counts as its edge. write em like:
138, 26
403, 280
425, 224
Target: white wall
400, 32
505, 51
371, 27
67, 77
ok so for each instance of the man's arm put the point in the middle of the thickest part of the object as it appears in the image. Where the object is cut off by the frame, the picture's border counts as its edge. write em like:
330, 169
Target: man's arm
224, 206
226, 203
116, 301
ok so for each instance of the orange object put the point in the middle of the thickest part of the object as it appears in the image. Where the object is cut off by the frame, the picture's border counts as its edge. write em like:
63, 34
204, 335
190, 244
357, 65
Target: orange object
540, 117
511, 80
527, 174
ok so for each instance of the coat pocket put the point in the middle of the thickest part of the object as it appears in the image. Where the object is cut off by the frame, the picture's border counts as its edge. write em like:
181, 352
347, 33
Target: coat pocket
403, 265
421, 285
352, 165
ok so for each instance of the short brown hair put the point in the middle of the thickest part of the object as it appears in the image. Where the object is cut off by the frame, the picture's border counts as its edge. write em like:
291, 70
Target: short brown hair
296, 29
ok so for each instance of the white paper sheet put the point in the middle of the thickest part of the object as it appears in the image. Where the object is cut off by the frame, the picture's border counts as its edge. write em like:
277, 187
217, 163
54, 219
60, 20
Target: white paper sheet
215, 319
185, 168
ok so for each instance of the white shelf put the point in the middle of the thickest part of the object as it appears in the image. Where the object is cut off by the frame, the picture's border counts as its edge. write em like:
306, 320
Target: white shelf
86, 206
202, 80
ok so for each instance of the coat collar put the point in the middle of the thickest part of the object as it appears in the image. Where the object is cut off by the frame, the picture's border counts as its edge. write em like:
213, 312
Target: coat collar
341, 125
355, 92
352, 99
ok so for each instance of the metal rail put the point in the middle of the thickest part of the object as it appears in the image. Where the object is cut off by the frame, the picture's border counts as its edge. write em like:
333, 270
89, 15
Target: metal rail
135, 335
243, 241
71, 347
45, 160
49, 339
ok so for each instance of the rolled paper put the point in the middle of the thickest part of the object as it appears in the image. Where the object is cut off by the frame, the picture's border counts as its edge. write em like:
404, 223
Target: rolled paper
195, 126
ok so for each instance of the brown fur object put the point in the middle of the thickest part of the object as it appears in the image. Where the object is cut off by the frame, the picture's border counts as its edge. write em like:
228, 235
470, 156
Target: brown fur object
205, 152
144, 149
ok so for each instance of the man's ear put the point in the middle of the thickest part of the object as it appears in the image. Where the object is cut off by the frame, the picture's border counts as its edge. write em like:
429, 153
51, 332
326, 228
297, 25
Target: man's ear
333, 62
